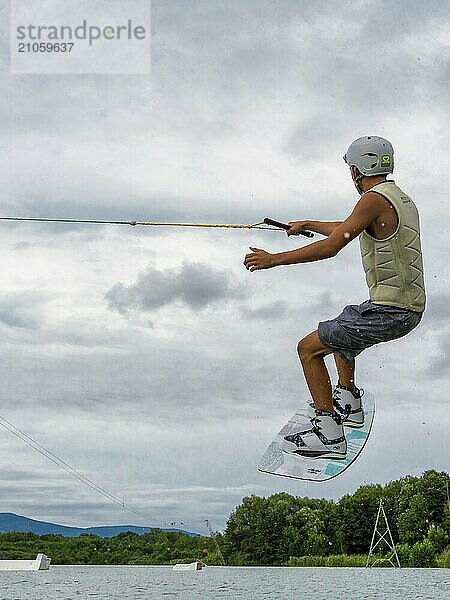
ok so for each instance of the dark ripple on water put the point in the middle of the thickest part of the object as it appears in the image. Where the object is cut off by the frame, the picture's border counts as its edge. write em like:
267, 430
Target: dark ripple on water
148, 583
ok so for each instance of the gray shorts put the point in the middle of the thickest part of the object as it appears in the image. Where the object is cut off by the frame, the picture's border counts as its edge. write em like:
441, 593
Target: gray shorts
359, 327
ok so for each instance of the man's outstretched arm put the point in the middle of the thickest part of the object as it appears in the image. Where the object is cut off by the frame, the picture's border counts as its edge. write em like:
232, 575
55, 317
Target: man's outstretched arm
323, 227
369, 208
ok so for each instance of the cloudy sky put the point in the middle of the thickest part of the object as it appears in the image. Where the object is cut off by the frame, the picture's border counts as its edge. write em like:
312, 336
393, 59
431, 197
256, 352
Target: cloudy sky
151, 360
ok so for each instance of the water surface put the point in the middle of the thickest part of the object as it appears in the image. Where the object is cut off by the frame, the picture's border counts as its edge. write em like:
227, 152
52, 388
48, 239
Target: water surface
146, 582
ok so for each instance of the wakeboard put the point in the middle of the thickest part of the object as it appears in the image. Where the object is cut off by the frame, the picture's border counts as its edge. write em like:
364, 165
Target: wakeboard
277, 462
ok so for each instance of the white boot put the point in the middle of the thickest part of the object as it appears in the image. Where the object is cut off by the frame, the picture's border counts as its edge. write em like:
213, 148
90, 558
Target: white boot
324, 439
348, 406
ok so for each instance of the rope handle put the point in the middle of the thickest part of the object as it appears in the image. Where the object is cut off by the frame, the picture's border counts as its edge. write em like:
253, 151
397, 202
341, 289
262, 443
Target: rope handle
286, 226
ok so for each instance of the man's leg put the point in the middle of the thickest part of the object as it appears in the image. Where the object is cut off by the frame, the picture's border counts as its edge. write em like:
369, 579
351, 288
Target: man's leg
325, 437
346, 372
311, 352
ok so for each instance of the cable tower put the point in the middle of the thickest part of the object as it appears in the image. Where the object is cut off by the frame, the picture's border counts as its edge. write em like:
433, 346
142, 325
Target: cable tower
382, 533
212, 535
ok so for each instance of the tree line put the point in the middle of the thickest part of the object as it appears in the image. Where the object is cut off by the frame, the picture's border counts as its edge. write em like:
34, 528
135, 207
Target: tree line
285, 530
279, 530
157, 547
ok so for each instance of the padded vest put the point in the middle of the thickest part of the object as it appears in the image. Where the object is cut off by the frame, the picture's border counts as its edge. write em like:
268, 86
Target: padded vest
393, 266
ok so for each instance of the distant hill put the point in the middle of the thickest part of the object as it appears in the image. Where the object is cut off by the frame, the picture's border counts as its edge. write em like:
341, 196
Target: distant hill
10, 522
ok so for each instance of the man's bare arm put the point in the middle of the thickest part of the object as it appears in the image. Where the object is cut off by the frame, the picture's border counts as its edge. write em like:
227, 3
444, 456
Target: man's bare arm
325, 228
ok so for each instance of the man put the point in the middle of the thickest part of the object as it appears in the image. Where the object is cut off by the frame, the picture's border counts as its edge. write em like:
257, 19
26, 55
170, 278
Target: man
387, 223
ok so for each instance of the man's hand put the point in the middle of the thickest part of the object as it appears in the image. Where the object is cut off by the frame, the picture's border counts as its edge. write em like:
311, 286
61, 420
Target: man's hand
297, 226
259, 259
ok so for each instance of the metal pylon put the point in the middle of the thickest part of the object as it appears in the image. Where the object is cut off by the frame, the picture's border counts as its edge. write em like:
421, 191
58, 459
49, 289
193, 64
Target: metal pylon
382, 533
211, 534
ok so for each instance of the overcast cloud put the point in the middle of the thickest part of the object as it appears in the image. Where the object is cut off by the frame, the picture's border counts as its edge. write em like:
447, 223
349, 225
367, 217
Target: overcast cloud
149, 358
193, 284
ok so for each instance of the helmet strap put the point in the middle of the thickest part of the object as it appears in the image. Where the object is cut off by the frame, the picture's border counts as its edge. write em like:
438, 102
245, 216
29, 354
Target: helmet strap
357, 179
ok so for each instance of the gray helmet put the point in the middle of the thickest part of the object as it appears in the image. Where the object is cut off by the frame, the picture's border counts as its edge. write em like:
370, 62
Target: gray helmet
371, 155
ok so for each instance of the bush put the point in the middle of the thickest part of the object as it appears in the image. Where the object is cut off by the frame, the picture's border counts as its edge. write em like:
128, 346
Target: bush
443, 560
439, 537
334, 560
423, 554
404, 554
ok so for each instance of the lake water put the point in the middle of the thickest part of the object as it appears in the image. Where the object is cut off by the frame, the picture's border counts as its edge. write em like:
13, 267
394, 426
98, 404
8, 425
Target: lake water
130, 583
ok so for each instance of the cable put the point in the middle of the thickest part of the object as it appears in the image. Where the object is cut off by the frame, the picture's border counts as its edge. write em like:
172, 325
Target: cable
68, 469
146, 223
265, 224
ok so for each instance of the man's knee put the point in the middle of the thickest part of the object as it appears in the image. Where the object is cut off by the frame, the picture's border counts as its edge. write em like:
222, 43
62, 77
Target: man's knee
310, 346
301, 347
305, 348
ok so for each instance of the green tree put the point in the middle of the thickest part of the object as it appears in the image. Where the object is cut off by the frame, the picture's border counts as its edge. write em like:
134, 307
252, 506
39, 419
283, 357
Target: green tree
358, 513
433, 487
413, 523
